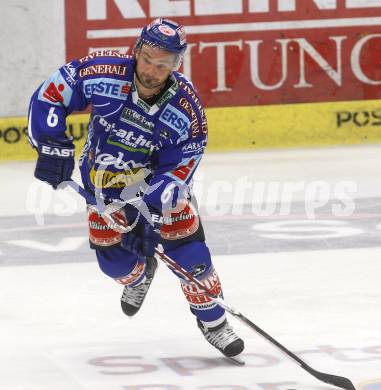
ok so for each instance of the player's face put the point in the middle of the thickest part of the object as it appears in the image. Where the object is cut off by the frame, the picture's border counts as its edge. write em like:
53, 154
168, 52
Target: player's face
153, 66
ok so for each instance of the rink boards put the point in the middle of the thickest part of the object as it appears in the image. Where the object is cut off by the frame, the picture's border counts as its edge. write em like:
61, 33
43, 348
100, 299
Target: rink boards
244, 128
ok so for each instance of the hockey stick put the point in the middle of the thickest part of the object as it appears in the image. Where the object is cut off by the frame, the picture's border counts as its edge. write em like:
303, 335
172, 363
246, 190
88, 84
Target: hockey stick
334, 380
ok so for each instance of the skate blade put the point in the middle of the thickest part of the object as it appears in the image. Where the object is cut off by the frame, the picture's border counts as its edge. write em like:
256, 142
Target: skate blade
236, 360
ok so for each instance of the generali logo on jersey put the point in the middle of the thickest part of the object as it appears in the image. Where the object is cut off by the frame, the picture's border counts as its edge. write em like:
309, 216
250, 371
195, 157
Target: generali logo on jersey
103, 69
256, 51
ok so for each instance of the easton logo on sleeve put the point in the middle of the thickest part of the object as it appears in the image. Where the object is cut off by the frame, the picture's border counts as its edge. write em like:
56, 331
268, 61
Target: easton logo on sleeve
56, 151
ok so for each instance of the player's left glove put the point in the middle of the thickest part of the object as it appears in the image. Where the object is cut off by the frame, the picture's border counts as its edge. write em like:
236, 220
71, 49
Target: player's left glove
144, 238
55, 162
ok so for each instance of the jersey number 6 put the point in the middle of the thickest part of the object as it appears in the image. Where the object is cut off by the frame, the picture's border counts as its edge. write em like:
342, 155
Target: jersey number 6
52, 119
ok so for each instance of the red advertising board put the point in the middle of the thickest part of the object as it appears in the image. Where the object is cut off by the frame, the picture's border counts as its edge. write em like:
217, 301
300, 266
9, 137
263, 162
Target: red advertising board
250, 52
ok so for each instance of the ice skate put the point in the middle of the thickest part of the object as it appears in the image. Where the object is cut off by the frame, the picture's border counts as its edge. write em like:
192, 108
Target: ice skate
224, 339
133, 297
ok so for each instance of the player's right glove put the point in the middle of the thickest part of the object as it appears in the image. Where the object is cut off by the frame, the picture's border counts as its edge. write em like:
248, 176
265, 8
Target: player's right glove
55, 162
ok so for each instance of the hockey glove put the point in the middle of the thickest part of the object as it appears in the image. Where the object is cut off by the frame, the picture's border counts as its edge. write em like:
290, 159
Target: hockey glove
55, 162
143, 240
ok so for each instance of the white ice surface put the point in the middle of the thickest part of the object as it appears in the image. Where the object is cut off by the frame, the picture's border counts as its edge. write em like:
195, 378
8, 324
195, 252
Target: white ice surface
62, 327
57, 321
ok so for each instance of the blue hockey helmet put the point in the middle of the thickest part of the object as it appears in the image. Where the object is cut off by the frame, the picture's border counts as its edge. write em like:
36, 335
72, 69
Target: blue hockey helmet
164, 34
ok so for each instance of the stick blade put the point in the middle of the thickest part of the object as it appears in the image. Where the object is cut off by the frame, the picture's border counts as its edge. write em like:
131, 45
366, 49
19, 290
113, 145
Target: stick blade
338, 381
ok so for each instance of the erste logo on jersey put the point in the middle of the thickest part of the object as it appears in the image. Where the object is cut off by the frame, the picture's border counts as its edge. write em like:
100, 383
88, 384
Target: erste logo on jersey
117, 89
176, 120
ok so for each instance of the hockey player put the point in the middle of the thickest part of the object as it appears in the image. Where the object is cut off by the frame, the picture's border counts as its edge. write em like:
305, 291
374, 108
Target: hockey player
146, 136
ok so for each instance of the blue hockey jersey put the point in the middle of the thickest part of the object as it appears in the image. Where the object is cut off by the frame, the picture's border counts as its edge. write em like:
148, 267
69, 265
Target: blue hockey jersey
127, 137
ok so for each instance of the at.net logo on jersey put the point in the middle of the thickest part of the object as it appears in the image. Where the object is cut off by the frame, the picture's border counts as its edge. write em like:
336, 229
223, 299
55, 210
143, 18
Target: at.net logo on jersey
129, 141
